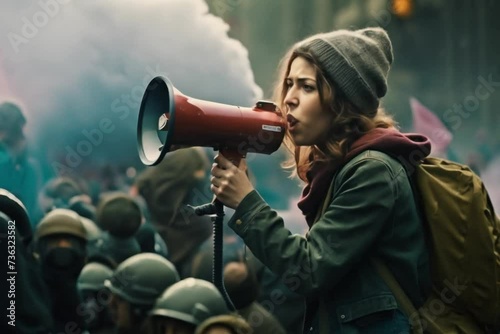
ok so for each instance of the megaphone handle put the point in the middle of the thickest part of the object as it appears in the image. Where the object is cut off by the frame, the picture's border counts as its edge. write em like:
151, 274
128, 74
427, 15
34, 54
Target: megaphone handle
232, 155
218, 259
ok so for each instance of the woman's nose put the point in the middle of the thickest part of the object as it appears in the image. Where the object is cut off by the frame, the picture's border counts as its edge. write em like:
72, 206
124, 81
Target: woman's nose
290, 99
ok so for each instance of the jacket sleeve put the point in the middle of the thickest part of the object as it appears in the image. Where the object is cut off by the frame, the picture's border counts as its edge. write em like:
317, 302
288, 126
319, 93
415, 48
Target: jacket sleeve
361, 206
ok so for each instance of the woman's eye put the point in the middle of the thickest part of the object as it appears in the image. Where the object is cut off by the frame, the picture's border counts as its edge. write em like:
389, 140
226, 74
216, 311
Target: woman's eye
308, 88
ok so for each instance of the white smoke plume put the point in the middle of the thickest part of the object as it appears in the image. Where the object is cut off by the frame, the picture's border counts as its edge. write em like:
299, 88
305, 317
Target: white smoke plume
80, 67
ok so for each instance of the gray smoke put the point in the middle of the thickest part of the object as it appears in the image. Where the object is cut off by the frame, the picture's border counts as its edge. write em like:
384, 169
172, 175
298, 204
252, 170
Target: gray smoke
79, 68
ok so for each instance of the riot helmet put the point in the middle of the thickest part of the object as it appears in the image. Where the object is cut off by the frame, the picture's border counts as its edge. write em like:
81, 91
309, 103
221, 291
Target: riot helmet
191, 300
141, 278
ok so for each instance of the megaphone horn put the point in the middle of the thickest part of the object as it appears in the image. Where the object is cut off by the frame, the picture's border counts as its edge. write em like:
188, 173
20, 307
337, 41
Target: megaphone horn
168, 119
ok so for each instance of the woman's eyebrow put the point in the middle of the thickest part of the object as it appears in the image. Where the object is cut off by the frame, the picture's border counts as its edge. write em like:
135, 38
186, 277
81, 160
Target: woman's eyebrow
301, 79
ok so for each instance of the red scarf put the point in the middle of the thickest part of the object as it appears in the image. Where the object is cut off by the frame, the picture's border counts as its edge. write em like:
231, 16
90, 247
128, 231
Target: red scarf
320, 175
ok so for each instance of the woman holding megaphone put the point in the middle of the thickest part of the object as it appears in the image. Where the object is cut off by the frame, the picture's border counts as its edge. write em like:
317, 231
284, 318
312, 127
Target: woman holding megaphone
357, 199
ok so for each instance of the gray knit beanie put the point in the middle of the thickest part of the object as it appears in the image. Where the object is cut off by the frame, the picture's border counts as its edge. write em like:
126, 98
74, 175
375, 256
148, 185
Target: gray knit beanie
357, 62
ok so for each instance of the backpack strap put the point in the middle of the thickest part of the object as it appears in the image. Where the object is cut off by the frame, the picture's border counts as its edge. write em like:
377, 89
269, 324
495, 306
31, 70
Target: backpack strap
324, 321
402, 299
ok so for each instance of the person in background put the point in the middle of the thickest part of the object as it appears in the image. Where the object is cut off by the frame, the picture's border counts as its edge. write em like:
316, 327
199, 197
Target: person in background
119, 217
243, 288
60, 245
95, 297
184, 306
135, 285
19, 173
61, 192
30, 288
224, 324
167, 189
352, 158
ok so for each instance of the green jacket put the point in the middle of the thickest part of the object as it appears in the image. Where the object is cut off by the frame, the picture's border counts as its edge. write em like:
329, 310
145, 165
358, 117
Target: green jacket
372, 213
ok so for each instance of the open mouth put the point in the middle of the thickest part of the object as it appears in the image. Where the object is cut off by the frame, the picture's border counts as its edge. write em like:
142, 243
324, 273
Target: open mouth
292, 121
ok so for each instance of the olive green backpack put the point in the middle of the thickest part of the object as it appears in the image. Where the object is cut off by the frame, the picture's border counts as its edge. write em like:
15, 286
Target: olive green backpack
464, 239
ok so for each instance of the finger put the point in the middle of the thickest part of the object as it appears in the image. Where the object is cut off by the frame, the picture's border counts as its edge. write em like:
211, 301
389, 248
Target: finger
216, 191
243, 165
216, 170
216, 181
223, 162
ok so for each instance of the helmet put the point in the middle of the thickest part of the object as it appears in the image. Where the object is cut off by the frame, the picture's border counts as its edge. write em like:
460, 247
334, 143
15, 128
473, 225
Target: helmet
117, 249
191, 300
15, 210
57, 193
93, 231
141, 278
233, 321
61, 221
82, 204
119, 214
93, 275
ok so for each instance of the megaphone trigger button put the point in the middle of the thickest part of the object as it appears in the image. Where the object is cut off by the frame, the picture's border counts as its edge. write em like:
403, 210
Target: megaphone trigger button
266, 105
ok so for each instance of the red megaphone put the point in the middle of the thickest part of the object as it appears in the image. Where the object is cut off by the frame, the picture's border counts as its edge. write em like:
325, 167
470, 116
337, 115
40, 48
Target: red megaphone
168, 119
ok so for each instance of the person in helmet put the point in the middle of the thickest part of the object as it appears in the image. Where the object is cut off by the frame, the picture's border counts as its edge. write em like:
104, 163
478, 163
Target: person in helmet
184, 306
119, 217
180, 179
95, 295
135, 285
60, 244
30, 288
66, 193
58, 192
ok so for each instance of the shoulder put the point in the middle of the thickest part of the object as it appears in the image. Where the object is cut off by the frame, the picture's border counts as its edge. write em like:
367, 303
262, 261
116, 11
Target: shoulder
371, 159
371, 170
268, 322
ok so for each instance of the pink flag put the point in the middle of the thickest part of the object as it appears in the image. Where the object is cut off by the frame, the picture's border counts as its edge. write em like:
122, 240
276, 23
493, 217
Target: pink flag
427, 123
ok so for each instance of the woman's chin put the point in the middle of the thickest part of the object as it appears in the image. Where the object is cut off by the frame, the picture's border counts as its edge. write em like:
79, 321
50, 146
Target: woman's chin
297, 141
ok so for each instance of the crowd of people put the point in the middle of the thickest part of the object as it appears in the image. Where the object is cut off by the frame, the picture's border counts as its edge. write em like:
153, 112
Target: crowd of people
135, 261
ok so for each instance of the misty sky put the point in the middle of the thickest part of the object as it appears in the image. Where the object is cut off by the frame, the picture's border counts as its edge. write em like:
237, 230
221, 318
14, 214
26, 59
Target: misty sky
76, 66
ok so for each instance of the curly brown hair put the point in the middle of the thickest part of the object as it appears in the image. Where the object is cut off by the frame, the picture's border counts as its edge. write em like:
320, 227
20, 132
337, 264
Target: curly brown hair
348, 124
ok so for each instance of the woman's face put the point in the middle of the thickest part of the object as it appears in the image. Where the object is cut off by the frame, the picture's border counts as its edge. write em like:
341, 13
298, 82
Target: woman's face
308, 121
